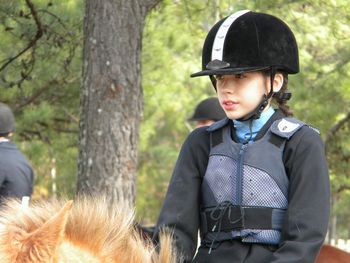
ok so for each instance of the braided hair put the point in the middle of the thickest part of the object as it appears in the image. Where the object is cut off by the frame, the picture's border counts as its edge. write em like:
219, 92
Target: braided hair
281, 98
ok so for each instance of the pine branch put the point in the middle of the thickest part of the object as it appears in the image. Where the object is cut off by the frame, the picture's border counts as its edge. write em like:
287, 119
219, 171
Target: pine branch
38, 35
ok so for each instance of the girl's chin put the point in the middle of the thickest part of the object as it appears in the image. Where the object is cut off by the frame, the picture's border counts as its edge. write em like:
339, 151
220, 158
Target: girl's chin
234, 115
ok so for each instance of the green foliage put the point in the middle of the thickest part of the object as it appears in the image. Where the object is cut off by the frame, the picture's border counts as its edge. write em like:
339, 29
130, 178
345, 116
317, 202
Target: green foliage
40, 80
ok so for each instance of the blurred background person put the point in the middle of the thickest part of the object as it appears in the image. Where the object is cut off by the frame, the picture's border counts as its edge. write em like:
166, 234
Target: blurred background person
16, 174
207, 112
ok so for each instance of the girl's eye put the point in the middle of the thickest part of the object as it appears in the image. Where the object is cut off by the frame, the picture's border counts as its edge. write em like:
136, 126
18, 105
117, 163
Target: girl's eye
218, 77
239, 76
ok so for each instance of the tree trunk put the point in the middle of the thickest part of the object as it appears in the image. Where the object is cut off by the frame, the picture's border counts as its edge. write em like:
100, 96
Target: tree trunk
111, 97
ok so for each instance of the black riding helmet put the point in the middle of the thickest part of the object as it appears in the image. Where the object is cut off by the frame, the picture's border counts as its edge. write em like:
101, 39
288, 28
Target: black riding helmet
208, 109
7, 120
248, 41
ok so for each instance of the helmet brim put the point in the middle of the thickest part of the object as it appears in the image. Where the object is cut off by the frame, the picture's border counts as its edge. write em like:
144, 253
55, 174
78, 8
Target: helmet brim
227, 71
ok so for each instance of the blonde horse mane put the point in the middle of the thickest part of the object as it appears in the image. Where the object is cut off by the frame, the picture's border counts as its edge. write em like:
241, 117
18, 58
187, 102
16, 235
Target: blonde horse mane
38, 232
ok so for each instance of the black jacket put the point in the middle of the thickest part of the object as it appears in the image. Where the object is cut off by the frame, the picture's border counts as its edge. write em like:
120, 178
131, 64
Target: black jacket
304, 229
16, 174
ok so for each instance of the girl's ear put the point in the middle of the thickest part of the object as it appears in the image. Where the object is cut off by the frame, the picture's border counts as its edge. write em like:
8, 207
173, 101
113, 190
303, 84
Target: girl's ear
278, 82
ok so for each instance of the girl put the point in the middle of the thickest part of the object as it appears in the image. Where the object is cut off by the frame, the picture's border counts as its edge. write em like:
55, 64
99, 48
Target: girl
256, 183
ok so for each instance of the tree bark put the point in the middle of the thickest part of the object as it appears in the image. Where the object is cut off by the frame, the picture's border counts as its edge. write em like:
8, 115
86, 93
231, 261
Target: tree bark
111, 97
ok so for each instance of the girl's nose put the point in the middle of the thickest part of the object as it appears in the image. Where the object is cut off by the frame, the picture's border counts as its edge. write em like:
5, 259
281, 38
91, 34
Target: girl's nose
229, 87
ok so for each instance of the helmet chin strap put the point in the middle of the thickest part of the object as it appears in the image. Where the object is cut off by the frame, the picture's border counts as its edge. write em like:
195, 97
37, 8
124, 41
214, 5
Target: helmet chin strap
256, 113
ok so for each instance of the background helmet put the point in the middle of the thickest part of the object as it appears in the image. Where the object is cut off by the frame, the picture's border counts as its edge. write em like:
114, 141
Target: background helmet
7, 119
208, 109
249, 41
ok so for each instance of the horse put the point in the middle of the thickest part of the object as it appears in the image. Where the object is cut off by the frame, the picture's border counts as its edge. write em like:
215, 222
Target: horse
330, 254
84, 230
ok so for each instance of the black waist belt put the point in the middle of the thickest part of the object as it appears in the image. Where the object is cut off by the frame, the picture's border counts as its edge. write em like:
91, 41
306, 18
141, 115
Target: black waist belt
237, 218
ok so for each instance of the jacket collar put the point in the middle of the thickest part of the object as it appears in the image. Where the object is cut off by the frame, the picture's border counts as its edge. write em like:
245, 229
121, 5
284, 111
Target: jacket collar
219, 124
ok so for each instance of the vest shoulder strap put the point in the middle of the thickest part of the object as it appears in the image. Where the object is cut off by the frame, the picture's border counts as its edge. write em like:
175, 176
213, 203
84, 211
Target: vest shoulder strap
216, 137
286, 127
216, 132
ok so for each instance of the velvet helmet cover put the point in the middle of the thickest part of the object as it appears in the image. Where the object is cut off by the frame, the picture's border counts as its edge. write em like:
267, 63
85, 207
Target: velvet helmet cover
7, 119
249, 41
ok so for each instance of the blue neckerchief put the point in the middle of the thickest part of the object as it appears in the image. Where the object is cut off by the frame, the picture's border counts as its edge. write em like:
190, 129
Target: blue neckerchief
242, 127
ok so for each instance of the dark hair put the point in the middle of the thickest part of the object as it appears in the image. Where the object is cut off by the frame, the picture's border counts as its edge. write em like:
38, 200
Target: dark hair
280, 100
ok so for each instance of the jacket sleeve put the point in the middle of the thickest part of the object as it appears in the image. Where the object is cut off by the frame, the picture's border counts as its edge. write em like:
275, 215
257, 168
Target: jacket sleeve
180, 210
305, 225
2, 174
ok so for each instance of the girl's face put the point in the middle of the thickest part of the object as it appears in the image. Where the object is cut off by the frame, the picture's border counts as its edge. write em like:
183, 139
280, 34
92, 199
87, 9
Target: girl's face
240, 94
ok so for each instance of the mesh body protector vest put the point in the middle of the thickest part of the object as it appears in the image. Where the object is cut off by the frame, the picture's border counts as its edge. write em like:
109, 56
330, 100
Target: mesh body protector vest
245, 187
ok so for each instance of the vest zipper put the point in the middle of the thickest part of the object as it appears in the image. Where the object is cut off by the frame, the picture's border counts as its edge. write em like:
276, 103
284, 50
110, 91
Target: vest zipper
240, 173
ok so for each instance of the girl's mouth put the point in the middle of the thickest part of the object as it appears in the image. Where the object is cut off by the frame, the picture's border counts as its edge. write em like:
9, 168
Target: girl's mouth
230, 105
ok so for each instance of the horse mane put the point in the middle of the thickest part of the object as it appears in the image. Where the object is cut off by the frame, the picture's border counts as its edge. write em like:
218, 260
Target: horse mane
34, 234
